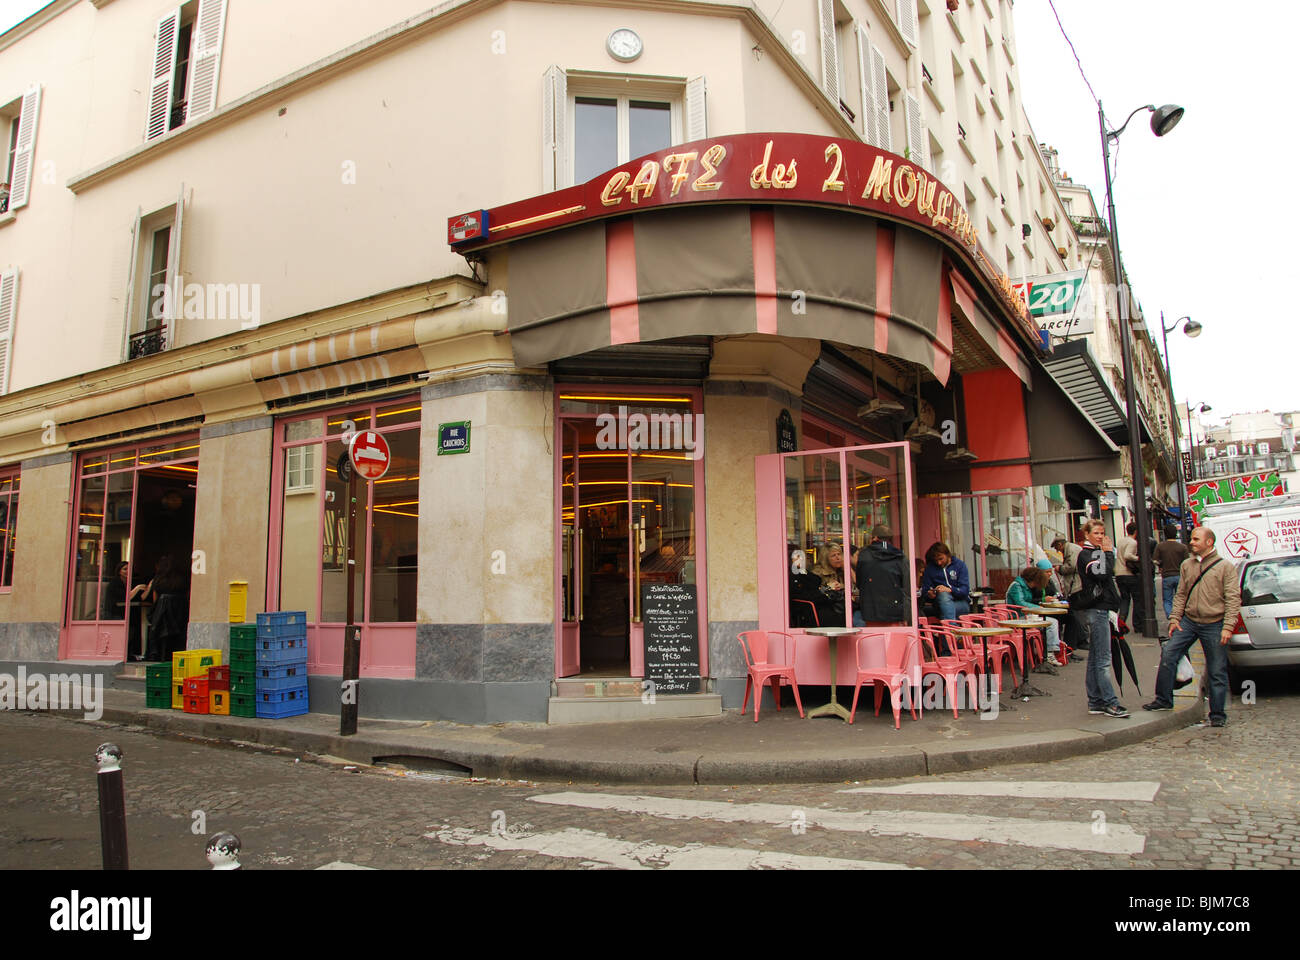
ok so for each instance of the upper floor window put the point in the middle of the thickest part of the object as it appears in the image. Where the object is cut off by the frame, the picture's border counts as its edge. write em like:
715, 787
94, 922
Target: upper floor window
18, 126
1263, 449
187, 56
594, 122
155, 294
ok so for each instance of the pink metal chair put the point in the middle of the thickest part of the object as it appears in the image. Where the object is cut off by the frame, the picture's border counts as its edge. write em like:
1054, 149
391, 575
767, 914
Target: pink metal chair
1035, 642
754, 644
892, 676
999, 649
1014, 641
950, 668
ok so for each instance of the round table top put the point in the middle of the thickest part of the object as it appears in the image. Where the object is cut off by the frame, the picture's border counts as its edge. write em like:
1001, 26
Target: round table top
833, 631
1050, 611
1027, 624
982, 631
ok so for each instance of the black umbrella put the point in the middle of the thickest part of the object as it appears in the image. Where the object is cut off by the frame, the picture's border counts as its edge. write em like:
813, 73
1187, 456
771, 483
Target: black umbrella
1119, 648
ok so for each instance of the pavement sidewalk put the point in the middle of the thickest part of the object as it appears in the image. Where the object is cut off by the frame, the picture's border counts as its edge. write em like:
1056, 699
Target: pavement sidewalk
729, 749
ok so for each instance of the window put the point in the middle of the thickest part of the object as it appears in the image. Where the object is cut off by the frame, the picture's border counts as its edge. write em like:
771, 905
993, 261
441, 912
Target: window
187, 56
8, 311
300, 470
592, 123
153, 306
1232, 449
8, 526
875, 93
1263, 449
18, 121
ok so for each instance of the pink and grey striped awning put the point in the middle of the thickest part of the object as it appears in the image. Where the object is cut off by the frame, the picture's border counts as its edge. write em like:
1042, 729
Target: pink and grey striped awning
731, 269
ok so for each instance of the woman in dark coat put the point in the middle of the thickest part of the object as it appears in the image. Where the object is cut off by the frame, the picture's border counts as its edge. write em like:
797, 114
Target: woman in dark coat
170, 618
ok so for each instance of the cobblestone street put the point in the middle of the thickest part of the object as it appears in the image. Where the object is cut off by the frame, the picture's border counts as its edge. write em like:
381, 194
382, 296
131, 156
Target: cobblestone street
1225, 799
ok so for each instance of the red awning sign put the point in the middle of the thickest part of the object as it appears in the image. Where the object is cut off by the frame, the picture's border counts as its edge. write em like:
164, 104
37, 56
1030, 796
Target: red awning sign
370, 454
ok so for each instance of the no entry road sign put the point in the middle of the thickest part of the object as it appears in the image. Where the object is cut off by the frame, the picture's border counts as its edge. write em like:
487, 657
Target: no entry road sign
369, 454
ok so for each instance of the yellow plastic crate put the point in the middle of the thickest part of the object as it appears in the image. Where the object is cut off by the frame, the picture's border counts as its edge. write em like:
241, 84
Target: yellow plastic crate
238, 601
193, 663
219, 702
178, 694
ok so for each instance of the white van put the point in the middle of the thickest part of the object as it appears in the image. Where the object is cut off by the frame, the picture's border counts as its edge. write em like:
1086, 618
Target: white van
1248, 528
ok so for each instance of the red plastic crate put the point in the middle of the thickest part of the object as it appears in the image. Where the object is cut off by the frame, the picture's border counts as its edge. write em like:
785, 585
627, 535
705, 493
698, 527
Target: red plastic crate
219, 678
195, 704
196, 687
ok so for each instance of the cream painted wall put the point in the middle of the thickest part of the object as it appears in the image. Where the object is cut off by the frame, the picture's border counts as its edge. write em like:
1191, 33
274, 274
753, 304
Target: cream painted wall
40, 560
230, 522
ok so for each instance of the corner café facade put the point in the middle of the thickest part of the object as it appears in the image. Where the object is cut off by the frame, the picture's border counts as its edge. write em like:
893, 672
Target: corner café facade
712, 318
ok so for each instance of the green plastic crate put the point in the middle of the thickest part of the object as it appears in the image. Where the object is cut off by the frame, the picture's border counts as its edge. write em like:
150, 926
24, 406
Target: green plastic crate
243, 704
243, 631
248, 686
243, 661
158, 700
159, 673
158, 686
242, 643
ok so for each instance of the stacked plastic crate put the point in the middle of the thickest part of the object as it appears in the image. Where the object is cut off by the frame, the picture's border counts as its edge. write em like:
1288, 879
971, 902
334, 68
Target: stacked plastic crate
243, 669
219, 691
282, 663
190, 676
158, 686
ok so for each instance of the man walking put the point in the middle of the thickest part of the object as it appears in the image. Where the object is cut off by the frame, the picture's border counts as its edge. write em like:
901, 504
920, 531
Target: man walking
1128, 569
1098, 597
1205, 608
1170, 556
1076, 624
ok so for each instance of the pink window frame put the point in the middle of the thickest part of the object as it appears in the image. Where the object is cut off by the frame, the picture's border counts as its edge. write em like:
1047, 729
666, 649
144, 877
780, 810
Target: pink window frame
329, 634
6, 473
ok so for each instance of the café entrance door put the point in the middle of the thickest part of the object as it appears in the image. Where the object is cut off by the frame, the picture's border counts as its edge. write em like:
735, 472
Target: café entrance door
628, 481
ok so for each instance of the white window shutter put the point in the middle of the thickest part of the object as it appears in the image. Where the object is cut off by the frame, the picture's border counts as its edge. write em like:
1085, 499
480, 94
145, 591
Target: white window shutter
163, 75
868, 87
174, 278
23, 150
697, 127
909, 22
205, 60
916, 135
8, 307
880, 82
555, 143
830, 58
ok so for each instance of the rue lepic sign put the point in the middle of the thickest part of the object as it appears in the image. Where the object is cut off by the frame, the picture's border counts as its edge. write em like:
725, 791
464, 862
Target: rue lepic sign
1059, 303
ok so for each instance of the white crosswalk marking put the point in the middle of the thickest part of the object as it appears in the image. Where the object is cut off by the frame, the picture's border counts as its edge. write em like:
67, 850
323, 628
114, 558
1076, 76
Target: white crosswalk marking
598, 850
1059, 834
1137, 790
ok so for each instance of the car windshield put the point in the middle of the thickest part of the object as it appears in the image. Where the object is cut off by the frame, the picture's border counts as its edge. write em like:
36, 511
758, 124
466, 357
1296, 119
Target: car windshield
1271, 581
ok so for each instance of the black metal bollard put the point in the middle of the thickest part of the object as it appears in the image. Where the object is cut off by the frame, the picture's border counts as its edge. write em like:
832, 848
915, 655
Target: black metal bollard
223, 851
112, 806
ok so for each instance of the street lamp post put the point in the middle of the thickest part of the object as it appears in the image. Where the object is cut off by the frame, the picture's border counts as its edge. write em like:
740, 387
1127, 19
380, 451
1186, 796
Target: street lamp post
1192, 329
1163, 120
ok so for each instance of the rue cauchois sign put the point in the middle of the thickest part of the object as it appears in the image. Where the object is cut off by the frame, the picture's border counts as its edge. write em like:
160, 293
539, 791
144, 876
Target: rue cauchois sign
756, 167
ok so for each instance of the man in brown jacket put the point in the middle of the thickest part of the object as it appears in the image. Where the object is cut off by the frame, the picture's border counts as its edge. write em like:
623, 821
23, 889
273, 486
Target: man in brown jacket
1205, 608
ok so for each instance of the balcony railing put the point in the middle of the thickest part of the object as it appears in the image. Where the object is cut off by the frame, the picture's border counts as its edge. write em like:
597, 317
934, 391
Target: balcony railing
146, 342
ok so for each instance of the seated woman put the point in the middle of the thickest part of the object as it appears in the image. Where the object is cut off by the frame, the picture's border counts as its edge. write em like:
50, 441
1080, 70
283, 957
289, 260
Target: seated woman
1027, 590
830, 567
805, 592
945, 585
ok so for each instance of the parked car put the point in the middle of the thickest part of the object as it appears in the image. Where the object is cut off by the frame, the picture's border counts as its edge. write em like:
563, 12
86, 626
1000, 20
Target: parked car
1267, 633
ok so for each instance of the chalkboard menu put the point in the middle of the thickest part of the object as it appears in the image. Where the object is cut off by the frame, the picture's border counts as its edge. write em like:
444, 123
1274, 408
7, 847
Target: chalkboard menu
670, 613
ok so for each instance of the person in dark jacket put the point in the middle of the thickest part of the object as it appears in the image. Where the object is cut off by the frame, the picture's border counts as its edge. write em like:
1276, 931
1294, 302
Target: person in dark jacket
884, 582
169, 620
946, 582
1098, 597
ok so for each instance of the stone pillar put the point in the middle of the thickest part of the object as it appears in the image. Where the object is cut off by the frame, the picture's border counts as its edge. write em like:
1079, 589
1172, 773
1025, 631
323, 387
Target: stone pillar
486, 634
231, 520
33, 612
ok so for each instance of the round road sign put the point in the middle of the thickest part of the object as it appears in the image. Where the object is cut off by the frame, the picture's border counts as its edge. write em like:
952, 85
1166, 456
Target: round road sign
369, 453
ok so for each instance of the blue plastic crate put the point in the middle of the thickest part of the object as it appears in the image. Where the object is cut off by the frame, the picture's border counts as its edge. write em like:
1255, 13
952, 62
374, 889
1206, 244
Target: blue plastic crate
280, 658
282, 703
281, 643
276, 631
287, 677
279, 618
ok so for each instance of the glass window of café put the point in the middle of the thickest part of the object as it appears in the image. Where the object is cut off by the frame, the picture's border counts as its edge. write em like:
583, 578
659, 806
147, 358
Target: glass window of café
8, 526
310, 526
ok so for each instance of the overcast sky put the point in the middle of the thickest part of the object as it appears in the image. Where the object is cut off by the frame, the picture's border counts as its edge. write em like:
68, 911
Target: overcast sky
1205, 214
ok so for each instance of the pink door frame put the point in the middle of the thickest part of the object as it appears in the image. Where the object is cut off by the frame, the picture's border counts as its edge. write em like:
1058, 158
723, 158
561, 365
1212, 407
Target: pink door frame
636, 640
325, 640
109, 636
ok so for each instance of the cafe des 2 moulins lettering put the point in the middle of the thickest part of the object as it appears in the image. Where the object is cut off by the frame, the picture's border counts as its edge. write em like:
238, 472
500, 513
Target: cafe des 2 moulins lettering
754, 167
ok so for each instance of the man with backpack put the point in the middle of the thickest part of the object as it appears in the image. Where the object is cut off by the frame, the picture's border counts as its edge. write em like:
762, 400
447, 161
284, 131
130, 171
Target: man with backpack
1205, 608
1097, 597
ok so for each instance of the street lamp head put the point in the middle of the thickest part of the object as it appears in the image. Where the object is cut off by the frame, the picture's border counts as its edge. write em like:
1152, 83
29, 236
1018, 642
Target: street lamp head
1192, 328
1164, 119
1206, 408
